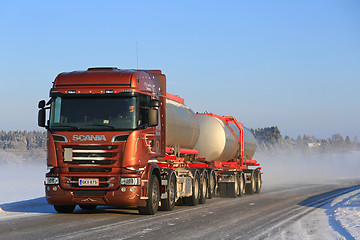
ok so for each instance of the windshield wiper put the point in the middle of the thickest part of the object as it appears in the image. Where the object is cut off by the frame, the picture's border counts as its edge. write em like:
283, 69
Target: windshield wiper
67, 126
103, 125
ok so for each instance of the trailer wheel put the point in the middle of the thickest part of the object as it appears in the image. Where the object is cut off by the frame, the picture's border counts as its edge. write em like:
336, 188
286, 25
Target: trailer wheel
194, 199
241, 185
258, 182
251, 187
212, 184
152, 203
87, 207
169, 203
64, 208
204, 187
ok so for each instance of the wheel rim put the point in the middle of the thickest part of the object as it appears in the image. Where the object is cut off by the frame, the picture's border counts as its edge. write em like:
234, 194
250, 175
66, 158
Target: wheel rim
196, 190
258, 182
236, 186
241, 185
253, 183
204, 187
172, 192
212, 182
155, 193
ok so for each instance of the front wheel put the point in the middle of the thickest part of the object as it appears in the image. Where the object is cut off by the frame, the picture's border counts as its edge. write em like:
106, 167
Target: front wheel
152, 203
64, 208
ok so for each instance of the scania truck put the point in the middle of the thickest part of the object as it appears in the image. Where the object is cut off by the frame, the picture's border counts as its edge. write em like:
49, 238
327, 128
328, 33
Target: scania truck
116, 137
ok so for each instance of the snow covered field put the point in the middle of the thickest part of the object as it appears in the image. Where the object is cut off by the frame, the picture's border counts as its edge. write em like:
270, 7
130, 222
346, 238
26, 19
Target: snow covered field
22, 192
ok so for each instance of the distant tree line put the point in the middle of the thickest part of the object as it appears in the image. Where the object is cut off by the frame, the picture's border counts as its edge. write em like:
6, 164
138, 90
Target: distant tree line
270, 138
22, 140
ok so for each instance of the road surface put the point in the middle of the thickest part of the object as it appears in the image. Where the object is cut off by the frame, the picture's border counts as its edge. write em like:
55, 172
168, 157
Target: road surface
257, 216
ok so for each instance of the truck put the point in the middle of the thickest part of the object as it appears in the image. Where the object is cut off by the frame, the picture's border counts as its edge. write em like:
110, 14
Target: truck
115, 137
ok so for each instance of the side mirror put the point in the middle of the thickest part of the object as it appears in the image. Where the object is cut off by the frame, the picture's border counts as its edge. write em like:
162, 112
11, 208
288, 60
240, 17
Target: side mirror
41, 117
153, 117
154, 103
42, 104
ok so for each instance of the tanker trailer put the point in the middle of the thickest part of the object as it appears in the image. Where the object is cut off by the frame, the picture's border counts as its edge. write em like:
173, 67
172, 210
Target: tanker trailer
219, 148
186, 182
229, 147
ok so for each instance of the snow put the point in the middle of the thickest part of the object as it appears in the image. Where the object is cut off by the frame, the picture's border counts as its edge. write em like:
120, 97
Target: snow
22, 194
20, 182
338, 219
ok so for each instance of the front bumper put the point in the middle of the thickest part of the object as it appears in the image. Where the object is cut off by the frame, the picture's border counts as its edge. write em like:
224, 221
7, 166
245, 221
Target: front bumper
124, 196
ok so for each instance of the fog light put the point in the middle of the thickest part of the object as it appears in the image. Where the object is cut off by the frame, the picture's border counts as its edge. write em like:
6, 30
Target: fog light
48, 188
123, 189
132, 189
55, 189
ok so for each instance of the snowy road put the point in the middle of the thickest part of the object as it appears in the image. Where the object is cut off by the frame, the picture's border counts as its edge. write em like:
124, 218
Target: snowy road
293, 212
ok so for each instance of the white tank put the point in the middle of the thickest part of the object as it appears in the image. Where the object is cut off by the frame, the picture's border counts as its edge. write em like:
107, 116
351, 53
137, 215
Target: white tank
219, 141
214, 139
182, 126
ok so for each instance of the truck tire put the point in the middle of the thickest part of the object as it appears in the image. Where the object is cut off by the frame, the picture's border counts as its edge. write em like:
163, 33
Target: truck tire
87, 207
241, 184
203, 187
169, 203
258, 182
64, 208
211, 184
194, 199
251, 187
152, 203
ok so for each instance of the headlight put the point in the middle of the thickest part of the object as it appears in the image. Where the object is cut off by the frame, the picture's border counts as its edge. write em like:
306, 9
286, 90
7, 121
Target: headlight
130, 181
52, 180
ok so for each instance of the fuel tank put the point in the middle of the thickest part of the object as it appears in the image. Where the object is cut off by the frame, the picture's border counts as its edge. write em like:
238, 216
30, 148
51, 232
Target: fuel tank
182, 126
219, 141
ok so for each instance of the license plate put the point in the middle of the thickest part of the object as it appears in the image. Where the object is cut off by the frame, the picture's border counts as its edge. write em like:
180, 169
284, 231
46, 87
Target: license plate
88, 182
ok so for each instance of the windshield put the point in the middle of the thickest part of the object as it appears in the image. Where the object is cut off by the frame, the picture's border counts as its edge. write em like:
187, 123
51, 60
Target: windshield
94, 113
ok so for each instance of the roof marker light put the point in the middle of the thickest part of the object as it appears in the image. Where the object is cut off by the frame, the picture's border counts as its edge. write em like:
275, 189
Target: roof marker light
109, 91
72, 92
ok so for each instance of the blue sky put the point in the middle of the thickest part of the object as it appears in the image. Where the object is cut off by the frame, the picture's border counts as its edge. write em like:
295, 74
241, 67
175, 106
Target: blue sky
291, 64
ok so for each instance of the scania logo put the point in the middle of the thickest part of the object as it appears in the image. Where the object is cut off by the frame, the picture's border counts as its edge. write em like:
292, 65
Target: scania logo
88, 138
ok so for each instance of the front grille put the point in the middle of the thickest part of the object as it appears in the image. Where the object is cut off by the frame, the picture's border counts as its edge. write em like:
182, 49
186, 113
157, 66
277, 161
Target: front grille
95, 193
90, 154
88, 170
